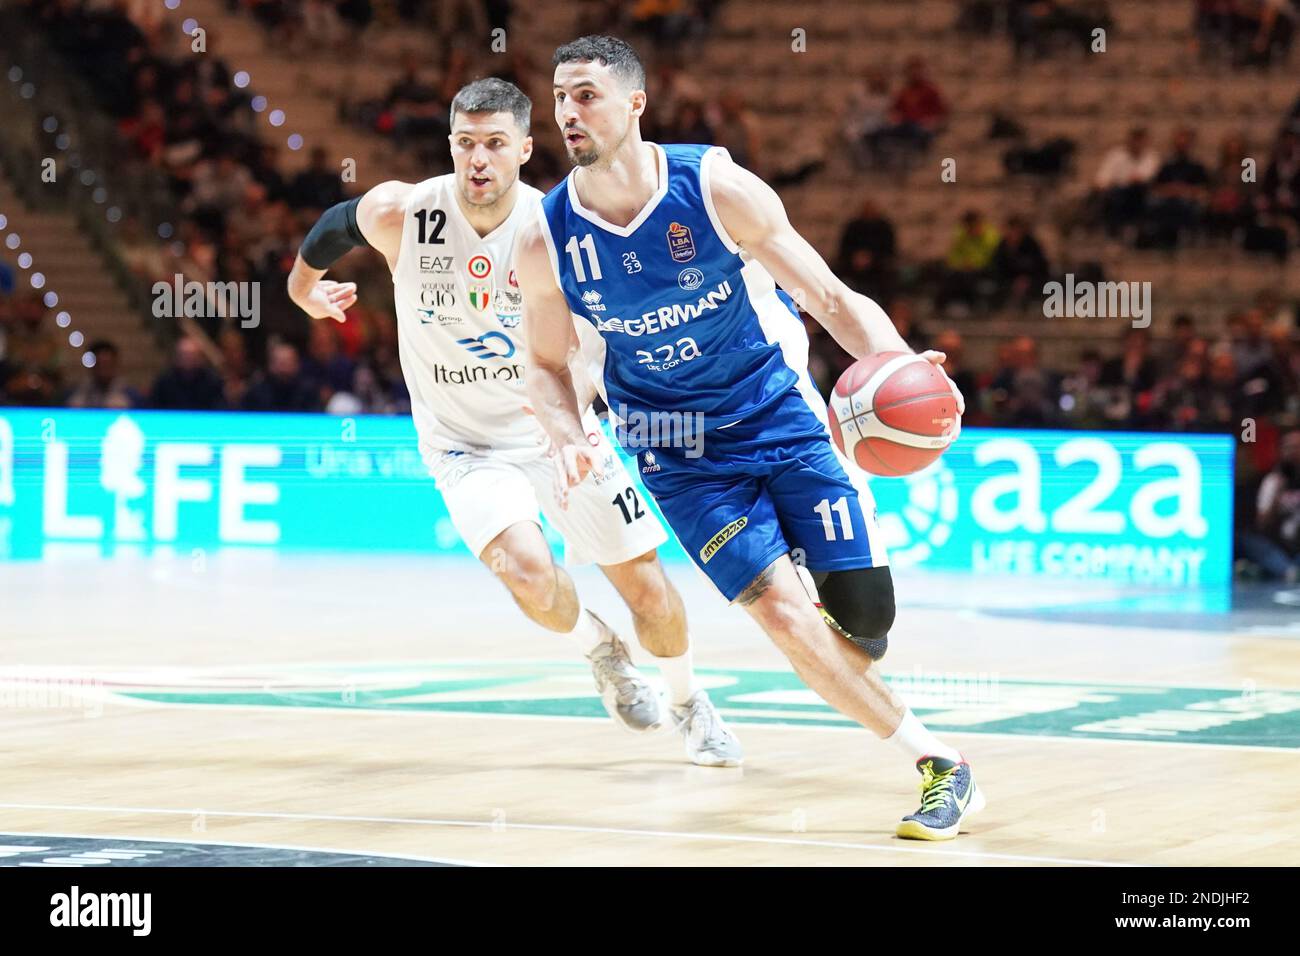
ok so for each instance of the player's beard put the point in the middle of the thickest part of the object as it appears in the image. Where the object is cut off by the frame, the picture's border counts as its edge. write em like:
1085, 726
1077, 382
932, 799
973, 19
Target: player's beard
596, 154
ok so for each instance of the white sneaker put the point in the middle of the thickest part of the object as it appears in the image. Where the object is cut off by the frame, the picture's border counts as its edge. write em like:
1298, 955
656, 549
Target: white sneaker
709, 742
626, 694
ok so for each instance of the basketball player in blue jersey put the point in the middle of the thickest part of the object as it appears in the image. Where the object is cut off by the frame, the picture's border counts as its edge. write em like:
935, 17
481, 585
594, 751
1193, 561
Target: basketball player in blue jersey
659, 266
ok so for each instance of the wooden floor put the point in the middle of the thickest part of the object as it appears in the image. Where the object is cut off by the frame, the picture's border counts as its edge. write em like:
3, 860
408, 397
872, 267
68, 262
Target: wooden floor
400, 706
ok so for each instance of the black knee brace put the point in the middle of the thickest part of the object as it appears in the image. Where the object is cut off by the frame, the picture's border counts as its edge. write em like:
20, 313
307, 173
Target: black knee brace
860, 605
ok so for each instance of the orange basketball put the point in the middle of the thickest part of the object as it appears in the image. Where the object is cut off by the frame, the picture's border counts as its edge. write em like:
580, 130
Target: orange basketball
893, 413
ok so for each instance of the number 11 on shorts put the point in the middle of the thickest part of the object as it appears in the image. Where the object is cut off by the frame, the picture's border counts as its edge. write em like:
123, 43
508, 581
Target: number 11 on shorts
841, 508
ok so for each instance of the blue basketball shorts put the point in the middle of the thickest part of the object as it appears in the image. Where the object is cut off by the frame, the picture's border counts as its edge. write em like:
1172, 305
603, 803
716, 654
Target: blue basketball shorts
762, 488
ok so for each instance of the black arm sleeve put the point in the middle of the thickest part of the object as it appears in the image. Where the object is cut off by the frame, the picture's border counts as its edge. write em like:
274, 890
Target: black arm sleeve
335, 233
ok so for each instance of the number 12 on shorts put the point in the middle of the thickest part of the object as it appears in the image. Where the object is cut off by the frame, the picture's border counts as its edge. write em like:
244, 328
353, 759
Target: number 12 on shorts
839, 508
630, 504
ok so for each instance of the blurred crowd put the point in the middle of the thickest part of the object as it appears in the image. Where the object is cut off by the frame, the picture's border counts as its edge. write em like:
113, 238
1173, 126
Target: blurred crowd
241, 217
1166, 199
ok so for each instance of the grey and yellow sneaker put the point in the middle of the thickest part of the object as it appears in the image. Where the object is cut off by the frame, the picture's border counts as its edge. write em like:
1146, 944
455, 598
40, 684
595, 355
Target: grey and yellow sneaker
948, 797
709, 742
626, 694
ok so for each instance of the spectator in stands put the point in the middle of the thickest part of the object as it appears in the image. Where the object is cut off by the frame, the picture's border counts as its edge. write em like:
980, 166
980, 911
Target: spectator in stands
967, 276
1281, 182
1269, 31
919, 111
1177, 345
217, 185
103, 386
322, 26
1122, 180
1179, 397
951, 344
1035, 25
1250, 348
415, 109
1229, 211
1178, 194
1085, 402
147, 131
319, 186
866, 116
189, 383
1135, 369
1019, 264
33, 354
327, 368
735, 126
1274, 541
356, 13
1023, 393
266, 170
462, 18
867, 250
282, 387
688, 125
236, 366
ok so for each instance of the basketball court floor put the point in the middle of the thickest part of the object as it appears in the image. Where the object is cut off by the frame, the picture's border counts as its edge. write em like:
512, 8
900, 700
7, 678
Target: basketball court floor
250, 707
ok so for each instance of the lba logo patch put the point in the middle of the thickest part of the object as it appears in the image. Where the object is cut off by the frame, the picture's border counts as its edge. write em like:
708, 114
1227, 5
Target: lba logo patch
681, 246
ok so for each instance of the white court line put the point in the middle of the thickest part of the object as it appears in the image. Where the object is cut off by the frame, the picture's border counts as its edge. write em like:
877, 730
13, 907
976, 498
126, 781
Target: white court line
250, 846
666, 731
564, 828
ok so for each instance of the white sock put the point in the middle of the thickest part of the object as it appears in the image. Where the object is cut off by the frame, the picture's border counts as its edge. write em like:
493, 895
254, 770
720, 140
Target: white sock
679, 675
586, 634
914, 739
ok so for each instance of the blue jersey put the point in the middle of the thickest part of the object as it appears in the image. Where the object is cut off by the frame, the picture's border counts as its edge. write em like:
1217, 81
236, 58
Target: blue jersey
682, 321
675, 321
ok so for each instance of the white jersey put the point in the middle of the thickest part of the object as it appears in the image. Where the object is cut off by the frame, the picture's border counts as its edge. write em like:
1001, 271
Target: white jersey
459, 339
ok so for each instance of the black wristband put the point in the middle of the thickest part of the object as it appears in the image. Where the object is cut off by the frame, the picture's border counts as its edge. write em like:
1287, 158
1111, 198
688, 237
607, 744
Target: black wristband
335, 233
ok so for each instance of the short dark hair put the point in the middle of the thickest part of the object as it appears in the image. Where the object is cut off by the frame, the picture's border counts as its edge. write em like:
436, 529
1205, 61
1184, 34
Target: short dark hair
494, 95
610, 51
101, 345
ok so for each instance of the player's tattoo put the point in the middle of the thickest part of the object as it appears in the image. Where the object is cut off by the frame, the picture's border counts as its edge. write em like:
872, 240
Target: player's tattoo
757, 587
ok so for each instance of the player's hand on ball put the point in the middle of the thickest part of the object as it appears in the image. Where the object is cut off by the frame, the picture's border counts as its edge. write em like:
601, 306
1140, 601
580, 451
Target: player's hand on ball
329, 300
937, 358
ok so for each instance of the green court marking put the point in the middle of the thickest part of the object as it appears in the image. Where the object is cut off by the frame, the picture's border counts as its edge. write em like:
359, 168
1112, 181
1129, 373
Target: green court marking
974, 704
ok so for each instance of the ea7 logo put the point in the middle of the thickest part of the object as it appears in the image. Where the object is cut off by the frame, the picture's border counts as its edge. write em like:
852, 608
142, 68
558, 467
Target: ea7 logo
489, 345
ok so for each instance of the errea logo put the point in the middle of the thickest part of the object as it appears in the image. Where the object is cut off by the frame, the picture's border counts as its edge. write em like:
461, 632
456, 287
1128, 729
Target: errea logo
591, 299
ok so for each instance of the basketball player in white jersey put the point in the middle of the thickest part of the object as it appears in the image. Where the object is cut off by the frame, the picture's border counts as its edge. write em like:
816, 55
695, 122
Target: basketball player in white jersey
448, 242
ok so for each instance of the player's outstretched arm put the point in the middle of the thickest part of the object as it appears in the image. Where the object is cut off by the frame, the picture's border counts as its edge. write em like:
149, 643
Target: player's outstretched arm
552, 347
373, 219
753, 215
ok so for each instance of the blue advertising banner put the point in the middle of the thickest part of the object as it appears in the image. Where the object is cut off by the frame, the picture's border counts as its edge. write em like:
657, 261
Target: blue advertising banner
1149, 509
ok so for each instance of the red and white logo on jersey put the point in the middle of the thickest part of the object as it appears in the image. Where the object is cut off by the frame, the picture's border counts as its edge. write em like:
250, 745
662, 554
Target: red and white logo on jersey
480, 267
511, 280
